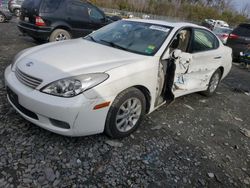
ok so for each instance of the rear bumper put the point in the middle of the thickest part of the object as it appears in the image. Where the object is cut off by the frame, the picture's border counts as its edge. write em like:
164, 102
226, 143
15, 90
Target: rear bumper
35, 31
236, 50
245, 60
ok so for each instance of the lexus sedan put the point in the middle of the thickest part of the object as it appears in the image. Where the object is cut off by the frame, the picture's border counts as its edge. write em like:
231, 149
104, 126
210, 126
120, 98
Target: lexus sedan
108, 80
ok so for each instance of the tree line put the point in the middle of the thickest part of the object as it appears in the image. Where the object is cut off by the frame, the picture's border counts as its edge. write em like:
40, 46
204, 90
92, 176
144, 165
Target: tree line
194, 10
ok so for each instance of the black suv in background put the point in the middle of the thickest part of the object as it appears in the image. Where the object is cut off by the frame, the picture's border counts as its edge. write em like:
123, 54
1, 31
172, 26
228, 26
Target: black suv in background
239, 40
55, 20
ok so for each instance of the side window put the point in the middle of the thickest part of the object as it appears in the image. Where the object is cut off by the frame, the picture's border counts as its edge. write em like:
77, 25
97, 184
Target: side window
94, 14
78, 10
181, 40
50, 6
203, 41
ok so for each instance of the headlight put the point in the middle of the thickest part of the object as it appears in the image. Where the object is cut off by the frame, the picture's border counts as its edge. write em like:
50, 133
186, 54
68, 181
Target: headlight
73, 86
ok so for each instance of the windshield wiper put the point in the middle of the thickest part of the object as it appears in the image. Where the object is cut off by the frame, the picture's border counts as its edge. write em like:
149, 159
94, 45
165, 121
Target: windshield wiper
92, 38
114, 45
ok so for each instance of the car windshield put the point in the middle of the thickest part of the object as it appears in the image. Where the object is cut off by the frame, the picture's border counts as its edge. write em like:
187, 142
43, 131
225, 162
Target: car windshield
137, 37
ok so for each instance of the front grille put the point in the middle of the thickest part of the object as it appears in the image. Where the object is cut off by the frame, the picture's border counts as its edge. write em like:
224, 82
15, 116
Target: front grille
27, 80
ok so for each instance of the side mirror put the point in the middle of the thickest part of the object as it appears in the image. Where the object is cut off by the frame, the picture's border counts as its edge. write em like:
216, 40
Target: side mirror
175, 54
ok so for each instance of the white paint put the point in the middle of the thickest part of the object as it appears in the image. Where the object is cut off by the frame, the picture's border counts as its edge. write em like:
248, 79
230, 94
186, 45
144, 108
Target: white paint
71, 58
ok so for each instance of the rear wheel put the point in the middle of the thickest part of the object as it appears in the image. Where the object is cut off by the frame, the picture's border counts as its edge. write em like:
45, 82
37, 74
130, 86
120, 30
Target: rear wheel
213, 84
17, 12
2, 18
126, 113
59, 35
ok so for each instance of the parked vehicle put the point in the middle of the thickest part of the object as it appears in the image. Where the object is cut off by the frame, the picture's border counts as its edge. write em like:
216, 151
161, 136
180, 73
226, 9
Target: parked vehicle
107, 81
5, 15
245, 57
239, 40
220, 23
60, 20
15, 6
222, 33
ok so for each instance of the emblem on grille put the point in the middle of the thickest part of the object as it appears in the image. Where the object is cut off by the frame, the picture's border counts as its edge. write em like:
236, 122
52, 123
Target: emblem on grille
29, 64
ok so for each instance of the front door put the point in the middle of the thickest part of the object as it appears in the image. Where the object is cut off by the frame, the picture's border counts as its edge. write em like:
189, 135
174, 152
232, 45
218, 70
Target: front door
77, 16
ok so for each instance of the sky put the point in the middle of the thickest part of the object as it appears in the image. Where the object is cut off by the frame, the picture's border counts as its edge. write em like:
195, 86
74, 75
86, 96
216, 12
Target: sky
239, 4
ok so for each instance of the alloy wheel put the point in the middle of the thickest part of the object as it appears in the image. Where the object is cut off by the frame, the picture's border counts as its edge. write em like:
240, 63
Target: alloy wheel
128, 114
61, 37
214, 82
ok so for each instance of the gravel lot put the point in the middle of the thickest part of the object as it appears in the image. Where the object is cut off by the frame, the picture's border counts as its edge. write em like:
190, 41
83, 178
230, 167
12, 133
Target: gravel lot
195, 142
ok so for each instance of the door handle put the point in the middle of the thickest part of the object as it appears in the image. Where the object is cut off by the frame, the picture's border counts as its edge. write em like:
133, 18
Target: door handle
218, 57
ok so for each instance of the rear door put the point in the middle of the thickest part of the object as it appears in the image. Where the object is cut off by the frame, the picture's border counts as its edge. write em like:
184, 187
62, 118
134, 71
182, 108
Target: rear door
239, 39
194, 69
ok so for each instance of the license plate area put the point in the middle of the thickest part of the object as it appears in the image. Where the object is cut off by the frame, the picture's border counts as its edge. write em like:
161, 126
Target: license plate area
14, 99
12, 96
26, 19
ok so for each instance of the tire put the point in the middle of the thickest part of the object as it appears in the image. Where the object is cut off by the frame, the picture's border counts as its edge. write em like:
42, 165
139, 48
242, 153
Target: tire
122, 118
2, 18
59, 35
213, 84
17, 12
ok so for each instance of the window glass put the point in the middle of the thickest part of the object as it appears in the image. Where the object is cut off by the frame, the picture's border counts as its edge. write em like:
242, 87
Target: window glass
137, 37
94, 14
78, 10
50, 6
181, 41
203, 41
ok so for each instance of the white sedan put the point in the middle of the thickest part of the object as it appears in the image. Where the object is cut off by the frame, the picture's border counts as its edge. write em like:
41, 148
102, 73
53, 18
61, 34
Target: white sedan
107, 81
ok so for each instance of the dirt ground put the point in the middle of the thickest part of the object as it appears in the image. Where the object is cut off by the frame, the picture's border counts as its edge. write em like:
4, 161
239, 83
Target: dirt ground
195, 142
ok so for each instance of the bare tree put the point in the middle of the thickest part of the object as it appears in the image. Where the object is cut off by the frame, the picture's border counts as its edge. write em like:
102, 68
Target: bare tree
245, 11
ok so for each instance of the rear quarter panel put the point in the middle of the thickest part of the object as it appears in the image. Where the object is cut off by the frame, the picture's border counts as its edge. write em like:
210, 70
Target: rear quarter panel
226, 60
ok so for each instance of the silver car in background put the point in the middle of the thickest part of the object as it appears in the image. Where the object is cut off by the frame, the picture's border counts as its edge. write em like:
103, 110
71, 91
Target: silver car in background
222, 33
14, 6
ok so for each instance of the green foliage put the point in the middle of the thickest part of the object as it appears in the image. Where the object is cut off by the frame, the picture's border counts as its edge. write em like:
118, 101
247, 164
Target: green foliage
193, 10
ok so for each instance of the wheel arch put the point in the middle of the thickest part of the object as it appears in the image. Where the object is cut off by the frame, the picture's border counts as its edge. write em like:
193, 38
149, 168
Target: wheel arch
222, 71
147, 95
62, 27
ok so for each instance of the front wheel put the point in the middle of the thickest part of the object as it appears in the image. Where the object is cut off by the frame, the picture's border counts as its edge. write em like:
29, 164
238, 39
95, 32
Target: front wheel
2, 18
213, 83
125, 113
59, 35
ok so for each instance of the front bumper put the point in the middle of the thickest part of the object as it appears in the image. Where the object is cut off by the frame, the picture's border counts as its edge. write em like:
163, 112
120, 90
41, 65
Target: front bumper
52, 111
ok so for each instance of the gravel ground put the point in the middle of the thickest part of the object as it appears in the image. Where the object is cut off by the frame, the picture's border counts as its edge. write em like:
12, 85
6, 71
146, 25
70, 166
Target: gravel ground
195, 142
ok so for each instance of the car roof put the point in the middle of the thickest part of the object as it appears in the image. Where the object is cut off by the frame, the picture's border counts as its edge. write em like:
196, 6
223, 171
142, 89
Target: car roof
165, 23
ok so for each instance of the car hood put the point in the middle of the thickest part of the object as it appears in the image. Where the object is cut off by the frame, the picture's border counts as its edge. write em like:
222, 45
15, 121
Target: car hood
58, 60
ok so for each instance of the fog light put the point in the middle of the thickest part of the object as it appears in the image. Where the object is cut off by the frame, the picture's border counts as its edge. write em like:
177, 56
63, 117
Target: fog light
59, 124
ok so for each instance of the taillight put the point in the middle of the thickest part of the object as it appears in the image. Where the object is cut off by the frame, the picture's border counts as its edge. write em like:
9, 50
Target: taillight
233, 36
39, 21
224, 36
